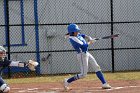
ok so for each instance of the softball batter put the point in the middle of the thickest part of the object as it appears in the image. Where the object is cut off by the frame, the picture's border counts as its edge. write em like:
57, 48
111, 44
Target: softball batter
79, 43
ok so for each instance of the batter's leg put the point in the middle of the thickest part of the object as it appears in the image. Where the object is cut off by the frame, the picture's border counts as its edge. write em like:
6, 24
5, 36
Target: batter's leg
97, 69
83, 60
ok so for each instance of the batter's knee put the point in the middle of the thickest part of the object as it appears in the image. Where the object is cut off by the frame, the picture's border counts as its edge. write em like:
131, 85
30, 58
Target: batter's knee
97, 68
4, 88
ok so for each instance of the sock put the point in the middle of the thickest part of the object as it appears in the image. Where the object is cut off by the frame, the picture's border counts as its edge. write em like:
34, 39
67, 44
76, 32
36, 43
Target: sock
101, 77
73, 78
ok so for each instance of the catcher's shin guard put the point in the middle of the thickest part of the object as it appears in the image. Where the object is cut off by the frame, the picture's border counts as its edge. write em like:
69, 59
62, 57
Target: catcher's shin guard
4, 88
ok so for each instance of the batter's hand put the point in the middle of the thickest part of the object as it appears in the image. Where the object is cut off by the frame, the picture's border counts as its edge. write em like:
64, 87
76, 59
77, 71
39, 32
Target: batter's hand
32, 64
91, 41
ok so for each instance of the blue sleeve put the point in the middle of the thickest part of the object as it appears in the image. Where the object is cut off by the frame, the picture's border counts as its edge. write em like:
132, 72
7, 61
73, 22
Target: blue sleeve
78, 47
75, 44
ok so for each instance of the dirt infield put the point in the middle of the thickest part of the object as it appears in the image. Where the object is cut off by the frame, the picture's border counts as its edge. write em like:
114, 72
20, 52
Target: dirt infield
127, 86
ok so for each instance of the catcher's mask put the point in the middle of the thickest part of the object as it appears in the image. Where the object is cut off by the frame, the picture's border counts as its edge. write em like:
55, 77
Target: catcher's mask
2, 53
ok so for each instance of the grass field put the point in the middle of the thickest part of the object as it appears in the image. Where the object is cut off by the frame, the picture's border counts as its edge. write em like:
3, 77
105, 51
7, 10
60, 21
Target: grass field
90, 76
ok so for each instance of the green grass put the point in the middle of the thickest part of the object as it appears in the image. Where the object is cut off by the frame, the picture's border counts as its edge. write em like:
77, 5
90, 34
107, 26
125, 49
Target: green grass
90, 76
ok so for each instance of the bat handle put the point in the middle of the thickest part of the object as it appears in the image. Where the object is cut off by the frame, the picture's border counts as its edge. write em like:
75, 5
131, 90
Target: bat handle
96, 38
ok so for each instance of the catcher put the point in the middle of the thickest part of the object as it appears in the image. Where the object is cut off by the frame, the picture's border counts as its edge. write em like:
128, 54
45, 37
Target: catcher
4, 62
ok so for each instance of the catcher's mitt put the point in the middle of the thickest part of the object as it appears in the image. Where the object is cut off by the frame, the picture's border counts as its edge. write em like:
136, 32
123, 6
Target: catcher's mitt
32, 64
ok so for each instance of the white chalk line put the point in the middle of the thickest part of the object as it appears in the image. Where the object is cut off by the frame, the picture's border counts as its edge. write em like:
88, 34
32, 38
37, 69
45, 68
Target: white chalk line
55, 90
113, 88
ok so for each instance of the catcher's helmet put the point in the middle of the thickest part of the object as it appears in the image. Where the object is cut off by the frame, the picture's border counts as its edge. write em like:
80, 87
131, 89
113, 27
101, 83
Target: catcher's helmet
2, 52
73, 28
2, 49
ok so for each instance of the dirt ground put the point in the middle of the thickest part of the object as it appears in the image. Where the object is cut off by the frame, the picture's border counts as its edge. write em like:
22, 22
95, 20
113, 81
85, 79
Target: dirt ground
127, 86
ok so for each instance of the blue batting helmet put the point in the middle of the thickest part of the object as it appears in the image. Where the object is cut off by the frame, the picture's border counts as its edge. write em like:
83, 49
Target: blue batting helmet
73, 28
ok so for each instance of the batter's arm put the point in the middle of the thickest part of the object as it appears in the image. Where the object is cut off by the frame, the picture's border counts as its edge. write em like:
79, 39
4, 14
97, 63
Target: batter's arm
90, 39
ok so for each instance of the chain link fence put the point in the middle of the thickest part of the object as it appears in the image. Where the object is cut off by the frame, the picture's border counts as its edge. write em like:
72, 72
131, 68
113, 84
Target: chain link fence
37, 28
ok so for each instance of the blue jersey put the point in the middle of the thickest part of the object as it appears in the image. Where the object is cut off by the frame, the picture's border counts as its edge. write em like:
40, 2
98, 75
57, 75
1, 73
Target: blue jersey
79, 43
3, 64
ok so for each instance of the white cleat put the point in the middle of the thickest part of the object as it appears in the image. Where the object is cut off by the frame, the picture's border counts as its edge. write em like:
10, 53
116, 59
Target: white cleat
66, 84
106, 86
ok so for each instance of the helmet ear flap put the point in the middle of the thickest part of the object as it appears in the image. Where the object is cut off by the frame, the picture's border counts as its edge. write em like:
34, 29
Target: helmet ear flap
72, 34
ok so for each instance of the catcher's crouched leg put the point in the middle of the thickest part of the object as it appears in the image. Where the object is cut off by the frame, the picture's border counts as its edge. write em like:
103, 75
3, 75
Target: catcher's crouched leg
4, 88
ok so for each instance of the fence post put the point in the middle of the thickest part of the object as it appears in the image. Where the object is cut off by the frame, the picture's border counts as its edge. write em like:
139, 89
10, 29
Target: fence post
36, 34
6, 6
112, 41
